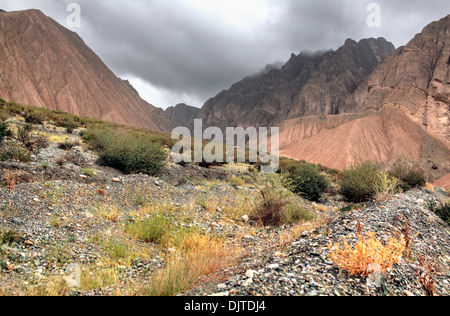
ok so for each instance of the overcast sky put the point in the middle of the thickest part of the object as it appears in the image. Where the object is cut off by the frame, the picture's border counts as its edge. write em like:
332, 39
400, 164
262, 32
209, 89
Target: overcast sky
175, 51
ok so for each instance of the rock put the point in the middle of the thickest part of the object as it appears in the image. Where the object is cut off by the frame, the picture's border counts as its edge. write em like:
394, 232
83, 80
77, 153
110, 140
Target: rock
247, 282
222, 286
250, 274
116, 180
273, 266
223, 294
420, 202
17, 221
245, 218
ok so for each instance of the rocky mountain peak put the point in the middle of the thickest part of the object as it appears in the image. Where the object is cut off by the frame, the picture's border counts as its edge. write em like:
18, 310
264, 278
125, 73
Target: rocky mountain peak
307, 84
416, 77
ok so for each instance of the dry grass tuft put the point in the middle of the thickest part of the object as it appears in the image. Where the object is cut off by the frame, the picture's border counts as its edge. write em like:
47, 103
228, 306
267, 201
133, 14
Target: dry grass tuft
367, 251
197, 256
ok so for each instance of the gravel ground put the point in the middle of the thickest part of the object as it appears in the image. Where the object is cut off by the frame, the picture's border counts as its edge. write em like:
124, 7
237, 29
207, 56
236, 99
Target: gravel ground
62, 204
304, 268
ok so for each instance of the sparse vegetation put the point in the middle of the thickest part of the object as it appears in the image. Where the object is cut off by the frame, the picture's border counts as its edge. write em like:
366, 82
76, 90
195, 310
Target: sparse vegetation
131, 153
87, 172
357, 182
9, 236
385, 187
307, 181
277, 205
34, 117
4, 131
368, 251
14, 151
441, 209
410, 174
155, 229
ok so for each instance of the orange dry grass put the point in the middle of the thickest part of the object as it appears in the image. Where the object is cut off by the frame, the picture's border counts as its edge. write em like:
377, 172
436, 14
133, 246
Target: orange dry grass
197, 256
367, 251
429, 186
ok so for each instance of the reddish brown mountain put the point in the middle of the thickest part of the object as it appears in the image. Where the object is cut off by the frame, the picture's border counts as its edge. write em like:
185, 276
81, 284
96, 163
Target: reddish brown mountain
46, 65
404, 112
444, 182
416, 78
308, 84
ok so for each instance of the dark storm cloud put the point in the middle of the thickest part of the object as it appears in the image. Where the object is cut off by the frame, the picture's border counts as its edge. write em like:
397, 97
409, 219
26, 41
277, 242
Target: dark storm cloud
178, 47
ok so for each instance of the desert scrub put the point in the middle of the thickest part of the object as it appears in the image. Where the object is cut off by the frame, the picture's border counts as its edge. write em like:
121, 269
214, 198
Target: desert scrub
236, 181
14, 151
9, 237
441, 209
34, 117
155, 229
357, 183
88, 172
307, 181
24, 135
368, 252
4, 131
411, 174
385, 186
277, 205
130, 153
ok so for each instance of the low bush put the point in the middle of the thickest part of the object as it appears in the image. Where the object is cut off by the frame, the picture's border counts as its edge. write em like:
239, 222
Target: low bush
277, 205
4, 131
442, 210
385, 186
307, 181
14, 151
154, 229
357, 182
133, 152
368, 252
34, 118
410, 174
9, 237
24, 134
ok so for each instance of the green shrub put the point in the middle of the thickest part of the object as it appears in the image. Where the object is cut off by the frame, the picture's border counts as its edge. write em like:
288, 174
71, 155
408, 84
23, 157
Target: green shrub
153, 230
357, 182
277, 205
410, 174
9, 237
4, 131
386, 186
130, 153
14, 151
24, 134
442, 210
34, 118
307, 181
69, 125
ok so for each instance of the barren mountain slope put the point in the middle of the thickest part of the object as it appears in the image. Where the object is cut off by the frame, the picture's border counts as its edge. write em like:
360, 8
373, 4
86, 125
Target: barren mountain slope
46, 65
382, 136
443, 182
417, 78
